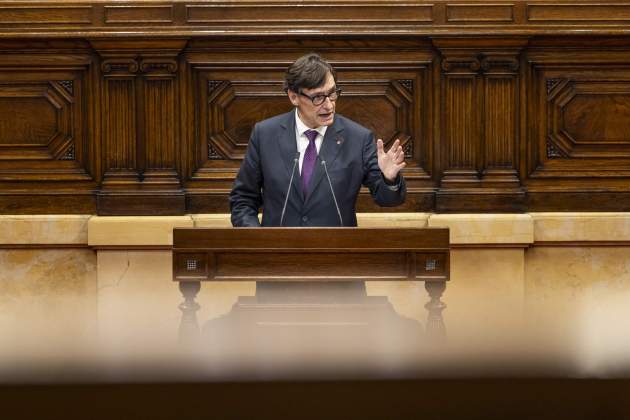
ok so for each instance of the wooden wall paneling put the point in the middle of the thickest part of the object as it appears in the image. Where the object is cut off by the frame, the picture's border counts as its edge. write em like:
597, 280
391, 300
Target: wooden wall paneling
140, 127
229, 100
160, 123
579, 149
237, 85
98, 18
479, 125
501, 114
44, 127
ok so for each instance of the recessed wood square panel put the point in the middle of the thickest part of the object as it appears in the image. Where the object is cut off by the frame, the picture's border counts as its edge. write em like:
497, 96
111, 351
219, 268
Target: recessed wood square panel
387, 105
488, 13
233, 108
577, 12
37, 14
590, 119
138, 14
580, 115
27, 121
596, 113
235, 265
289, 13
35, 120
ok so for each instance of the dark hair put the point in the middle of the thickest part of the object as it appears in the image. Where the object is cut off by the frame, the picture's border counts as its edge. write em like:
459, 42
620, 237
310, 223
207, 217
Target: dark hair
307, 72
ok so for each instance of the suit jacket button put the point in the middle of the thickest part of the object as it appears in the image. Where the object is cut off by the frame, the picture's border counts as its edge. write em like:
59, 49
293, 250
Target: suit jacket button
304, 219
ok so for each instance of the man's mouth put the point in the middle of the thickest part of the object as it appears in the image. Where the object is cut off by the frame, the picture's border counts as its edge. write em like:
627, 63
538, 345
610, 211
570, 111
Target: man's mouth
326, 115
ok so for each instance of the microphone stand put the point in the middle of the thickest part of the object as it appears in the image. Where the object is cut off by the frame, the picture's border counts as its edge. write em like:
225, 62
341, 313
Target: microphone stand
286, 199
333, 193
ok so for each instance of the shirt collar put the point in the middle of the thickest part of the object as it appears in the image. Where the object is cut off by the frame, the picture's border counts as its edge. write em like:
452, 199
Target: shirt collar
301, 127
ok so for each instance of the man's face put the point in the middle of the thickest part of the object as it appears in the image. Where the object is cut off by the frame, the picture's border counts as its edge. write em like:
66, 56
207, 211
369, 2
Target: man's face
315, 115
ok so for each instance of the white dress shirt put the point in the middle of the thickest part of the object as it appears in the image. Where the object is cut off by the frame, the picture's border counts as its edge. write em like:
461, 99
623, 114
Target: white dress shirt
302, 140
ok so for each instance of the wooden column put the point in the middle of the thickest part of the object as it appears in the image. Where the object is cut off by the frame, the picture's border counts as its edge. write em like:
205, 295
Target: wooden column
479, 125
140, 127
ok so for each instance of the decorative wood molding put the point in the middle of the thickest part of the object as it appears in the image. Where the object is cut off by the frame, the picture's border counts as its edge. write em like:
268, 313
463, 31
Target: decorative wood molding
142, 126
552, 150
213, 154
157, 121
407, 84
120, 66
211, 18
468, 63
70, 154
580, 103
480, 125
68, 85
158, 66
282, 13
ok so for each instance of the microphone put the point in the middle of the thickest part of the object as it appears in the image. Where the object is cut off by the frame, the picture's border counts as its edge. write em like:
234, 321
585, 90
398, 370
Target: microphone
286, 199
333, 193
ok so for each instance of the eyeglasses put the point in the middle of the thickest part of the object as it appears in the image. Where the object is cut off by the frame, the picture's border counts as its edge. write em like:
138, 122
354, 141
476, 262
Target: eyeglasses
321, 98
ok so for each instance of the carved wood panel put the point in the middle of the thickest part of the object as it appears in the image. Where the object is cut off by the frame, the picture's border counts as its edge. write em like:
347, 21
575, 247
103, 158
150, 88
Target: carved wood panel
578, 154
44, 132
140, 127
480, 125
580, 118
159, 125
96, 18
389, 98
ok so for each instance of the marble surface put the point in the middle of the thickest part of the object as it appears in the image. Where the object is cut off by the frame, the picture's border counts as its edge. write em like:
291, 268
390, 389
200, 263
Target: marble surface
466, 229
134, 230
44, 229
486, 228
563, 227
46, 296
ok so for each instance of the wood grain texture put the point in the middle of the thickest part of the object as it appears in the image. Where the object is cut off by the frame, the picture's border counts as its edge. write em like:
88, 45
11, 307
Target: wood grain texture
45, 152
138, 14
185, 18
479, 13
139, 111
333, 253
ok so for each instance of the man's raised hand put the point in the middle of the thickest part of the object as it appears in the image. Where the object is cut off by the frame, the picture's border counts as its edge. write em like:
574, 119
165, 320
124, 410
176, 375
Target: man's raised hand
392, 161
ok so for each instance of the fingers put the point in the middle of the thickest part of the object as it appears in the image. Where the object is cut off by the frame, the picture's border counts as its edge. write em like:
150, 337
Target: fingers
395, 152
394, 149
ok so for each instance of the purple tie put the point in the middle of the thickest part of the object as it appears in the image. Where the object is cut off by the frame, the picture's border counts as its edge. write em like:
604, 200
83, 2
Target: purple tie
309, 160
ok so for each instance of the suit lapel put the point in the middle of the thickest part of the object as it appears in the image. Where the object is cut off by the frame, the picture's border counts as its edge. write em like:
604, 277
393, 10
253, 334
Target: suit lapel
288, 149
331, 145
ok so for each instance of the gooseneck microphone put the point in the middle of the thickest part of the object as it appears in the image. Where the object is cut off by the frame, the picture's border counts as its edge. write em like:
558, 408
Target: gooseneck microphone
333, 193
286, 199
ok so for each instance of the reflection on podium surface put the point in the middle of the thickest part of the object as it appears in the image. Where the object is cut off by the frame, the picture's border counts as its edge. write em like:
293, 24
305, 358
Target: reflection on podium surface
330, 321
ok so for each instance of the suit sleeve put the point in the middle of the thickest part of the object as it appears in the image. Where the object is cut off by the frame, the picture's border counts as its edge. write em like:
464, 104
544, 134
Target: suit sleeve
383, 194
246, 194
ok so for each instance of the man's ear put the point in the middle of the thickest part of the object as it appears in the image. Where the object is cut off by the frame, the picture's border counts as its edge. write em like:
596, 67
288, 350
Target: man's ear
293, 97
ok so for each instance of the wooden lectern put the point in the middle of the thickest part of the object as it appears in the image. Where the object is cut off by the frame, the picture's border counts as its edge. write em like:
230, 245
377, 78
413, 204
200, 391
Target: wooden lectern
278, 254
312, 255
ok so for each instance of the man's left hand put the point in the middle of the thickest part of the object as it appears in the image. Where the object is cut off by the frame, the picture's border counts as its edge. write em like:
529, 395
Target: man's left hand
392, 161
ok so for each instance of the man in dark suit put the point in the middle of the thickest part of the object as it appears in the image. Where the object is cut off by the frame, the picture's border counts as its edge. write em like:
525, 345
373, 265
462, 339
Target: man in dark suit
301, 151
